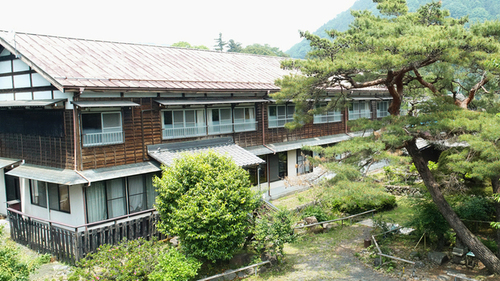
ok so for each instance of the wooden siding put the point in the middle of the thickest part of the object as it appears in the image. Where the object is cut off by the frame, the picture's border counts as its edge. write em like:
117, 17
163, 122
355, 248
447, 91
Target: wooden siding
41, 150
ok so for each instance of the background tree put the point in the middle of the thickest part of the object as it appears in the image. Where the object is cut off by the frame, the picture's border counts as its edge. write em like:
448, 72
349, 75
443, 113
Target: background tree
220, 44
265, 50
234, 47
411, 54
184, 44
205, 199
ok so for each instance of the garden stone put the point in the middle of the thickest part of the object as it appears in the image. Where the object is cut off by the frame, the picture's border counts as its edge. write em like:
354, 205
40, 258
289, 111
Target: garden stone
174, 241
419, 264
241, 275
437, 257
230, 276
311, 220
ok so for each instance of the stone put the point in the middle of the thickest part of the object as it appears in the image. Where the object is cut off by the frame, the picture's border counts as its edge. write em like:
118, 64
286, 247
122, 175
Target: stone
241, 275
174, 241
419, 264
230, 276
311, 220
437, 257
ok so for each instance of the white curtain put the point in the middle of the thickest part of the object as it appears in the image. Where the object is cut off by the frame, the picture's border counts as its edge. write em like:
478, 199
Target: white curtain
136, 194
116, 198
150, 190
96, 202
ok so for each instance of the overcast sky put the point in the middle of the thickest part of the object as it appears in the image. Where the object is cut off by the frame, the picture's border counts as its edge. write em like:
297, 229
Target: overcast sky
273, 22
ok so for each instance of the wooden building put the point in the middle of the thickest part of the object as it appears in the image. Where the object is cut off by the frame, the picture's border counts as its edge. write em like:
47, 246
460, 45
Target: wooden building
85, 125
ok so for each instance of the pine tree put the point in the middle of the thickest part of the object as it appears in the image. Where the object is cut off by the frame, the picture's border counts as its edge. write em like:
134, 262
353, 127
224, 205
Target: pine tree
437, 63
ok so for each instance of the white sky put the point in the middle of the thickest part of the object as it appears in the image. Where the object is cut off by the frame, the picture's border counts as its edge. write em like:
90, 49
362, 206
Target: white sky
273, 22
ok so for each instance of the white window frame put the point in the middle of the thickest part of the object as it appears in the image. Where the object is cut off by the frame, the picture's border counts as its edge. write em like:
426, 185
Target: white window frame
360, 109
223, 126
108, 135
184, 129
382, 107
331, 116
280, 119
247, 123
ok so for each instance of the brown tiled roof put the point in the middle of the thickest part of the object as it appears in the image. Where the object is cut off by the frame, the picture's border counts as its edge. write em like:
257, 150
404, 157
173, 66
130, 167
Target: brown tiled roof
72, 64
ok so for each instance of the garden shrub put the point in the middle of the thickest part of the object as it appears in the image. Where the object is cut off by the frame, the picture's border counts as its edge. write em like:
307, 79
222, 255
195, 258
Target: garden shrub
355, 197
474, 208
206, 199
427, 219
317, 211
12, 267
129, 260
174, 266
272, 231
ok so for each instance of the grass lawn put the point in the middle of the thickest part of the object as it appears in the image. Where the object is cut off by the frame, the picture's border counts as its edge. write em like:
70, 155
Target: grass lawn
401, 214
294, 200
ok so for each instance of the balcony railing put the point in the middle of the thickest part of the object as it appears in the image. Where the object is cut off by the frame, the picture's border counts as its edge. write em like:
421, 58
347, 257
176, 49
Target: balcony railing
382, 113
327, 118
183, 132
220, 128
96, 139
360, 114
243, 126
279, 122
71, 243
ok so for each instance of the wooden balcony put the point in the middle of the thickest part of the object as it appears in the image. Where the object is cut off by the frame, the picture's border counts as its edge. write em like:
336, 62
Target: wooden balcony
71, 243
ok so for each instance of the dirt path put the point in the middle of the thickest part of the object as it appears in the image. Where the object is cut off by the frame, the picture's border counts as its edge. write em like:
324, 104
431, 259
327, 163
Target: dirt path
327, 256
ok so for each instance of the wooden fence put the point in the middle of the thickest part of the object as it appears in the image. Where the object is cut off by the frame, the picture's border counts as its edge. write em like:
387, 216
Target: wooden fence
71, 243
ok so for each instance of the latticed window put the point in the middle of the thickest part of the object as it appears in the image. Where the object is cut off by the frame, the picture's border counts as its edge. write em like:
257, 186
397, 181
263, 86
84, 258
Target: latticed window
279, 115
181, 123
102, 128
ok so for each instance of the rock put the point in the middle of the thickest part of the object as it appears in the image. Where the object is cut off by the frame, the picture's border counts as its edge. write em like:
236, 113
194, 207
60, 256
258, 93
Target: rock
311, 220
239, 260
419, 264
230, 276
174, 241
437, 257
241, 275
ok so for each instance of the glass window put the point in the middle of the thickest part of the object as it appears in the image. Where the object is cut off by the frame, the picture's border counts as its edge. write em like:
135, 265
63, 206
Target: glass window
330, 116
183, 123
279, 115
244, 119
102, 128
136, 194
382, 109
38, 193
115, 193
359, 109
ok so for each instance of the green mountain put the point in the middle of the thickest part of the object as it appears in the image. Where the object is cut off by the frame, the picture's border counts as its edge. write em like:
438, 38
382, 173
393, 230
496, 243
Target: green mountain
478, 10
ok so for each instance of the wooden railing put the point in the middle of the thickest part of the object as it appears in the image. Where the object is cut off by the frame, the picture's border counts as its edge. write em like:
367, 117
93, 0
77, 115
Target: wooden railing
71, 243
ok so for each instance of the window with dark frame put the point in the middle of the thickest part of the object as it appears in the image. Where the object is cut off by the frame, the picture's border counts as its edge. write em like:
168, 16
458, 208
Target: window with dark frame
102, 128
38, 192
58, 195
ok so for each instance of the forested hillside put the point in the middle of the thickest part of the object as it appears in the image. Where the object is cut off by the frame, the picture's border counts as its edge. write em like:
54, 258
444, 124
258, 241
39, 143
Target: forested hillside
478, 10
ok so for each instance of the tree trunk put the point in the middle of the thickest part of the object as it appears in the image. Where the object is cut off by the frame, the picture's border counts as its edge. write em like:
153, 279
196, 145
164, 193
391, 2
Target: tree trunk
482, 252
495, 185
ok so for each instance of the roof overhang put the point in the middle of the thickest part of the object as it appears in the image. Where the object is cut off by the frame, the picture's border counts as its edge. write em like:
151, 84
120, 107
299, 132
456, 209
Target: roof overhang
47, 174
5, 162
167, 153
208, 101
32, 103
293, 145
120, 171
95, 104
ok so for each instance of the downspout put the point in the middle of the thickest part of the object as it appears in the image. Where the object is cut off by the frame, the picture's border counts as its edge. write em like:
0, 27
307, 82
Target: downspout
75, 115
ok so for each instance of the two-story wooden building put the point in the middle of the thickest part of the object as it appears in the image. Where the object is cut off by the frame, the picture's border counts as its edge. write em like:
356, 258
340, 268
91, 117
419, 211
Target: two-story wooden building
85, 125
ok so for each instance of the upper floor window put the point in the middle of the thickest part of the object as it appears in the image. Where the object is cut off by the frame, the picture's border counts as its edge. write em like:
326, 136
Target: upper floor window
279, 115
181, 123
359, 109
102, 128
382, 107
244, 119
58, 195
334, 115
220, 121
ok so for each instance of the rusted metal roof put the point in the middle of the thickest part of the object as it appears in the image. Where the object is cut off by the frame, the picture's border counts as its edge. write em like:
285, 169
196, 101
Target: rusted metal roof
208, 101
29, 103
87, 104
75, 64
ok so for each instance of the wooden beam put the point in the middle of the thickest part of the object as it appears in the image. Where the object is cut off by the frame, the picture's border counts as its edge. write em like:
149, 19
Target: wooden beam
29, 89
17, 73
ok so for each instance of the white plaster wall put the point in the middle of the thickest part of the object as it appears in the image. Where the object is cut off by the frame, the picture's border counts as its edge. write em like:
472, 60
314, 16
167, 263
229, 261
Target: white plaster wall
3, 193
291, 161
74, 218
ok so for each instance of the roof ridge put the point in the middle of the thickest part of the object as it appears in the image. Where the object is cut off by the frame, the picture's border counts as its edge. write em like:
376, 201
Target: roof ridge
139, 44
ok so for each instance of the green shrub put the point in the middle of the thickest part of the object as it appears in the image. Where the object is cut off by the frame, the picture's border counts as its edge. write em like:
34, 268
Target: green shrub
427, 219
272, 231
316, 210
12, 267
356, 197
174, 266
129, 260
474, 208
205, 199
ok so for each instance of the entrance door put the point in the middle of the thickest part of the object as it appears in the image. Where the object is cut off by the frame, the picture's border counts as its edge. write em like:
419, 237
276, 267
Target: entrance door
13, 192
